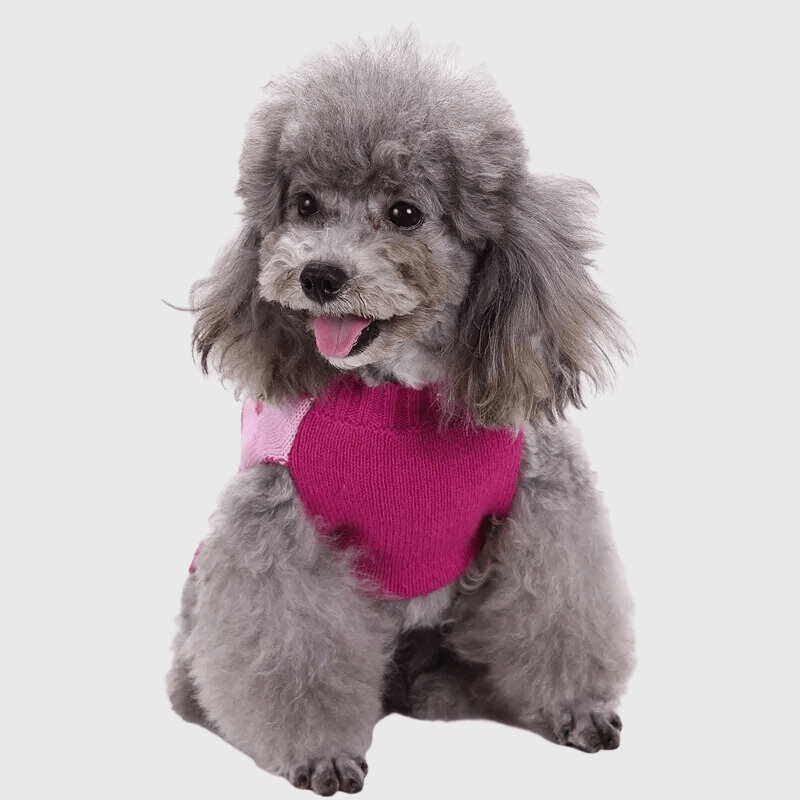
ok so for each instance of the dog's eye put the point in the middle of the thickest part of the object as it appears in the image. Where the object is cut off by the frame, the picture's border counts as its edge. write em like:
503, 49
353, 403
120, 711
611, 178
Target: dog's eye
404, 215
306, 205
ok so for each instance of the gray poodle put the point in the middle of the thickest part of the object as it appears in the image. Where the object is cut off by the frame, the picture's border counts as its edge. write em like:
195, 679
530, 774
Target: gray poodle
414, 529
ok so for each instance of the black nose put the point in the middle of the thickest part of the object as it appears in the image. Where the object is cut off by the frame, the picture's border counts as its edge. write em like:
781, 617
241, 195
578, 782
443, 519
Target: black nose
322, 282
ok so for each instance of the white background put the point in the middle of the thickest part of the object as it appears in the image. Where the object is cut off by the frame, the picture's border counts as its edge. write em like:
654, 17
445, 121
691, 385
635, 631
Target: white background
121, 130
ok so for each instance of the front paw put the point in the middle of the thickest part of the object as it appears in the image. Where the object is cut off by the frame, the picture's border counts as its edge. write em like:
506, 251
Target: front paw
589, 731
326, 776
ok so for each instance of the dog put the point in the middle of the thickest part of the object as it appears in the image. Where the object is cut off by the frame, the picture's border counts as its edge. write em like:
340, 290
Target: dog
408, 313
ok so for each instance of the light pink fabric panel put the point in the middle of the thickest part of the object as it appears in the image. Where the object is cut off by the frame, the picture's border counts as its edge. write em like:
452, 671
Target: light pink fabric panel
268, 432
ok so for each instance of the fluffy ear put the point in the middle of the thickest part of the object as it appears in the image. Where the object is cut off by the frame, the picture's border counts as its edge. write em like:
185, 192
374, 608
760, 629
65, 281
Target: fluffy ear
263, 176
535, 324
262, 349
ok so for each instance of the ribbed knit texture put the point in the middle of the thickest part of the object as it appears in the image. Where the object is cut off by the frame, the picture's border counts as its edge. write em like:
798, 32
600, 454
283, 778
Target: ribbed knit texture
377, 471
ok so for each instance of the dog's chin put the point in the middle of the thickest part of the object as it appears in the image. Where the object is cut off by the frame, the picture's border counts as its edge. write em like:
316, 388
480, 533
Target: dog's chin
383, 350
406, 363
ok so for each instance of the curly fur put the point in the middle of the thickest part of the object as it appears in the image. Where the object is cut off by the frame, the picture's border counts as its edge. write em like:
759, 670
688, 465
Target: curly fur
490, 298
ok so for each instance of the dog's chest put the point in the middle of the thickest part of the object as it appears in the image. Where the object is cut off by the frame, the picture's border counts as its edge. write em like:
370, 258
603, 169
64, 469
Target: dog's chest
380, 474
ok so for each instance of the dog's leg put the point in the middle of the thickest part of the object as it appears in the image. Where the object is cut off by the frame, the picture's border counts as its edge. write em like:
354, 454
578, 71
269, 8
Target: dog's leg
287, 656
552, 622
180, 684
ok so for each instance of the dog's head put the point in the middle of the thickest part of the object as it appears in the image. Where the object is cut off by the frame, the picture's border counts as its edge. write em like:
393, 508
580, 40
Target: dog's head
391, 228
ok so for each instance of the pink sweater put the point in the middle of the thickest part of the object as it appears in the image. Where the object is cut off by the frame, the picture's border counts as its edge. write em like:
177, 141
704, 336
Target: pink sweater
378, 473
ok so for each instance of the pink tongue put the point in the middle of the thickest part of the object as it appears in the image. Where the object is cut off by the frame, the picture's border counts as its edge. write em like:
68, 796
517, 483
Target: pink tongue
336, 336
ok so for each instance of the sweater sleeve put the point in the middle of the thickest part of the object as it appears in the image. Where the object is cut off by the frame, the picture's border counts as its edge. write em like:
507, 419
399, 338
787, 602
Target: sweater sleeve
268, 432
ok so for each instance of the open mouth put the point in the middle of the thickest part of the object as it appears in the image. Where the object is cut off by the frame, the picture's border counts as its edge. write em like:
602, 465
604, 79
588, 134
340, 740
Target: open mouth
342, 337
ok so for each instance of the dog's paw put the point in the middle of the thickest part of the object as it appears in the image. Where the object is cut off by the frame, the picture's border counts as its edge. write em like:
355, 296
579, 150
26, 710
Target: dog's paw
326, 776
590, 731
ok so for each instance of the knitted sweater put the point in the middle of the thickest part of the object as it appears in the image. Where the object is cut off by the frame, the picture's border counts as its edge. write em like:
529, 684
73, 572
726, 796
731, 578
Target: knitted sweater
378, 472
